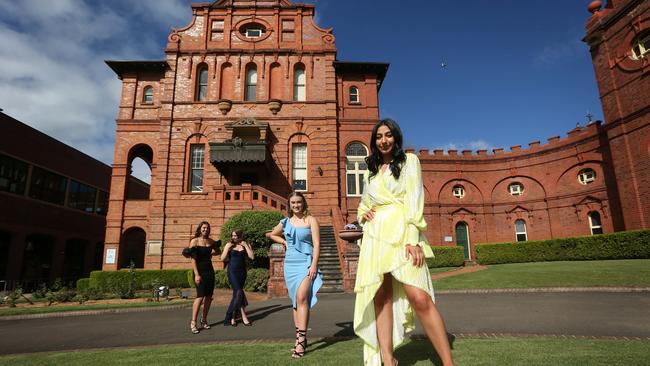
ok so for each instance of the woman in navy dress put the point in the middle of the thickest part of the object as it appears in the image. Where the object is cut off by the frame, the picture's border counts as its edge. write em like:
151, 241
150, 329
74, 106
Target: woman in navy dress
201, 249
235, 252
302, 277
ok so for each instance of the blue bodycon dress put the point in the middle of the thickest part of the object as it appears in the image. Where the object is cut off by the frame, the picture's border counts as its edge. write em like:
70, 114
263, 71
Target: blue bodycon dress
297, 261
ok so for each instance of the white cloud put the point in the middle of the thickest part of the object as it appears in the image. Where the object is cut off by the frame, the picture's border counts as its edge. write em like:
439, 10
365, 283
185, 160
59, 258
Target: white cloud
468, 145
557, 52
52, 59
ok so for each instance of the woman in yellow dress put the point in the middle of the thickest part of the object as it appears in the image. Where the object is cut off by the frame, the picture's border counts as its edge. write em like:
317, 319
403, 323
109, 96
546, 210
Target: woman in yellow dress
393, 282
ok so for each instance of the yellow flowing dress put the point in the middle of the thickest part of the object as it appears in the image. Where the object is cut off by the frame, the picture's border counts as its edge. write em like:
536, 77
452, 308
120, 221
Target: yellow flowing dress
398, 221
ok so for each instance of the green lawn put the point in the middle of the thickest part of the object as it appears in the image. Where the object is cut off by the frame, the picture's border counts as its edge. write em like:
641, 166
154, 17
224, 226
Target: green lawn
82, 307
435, 270
632, 273
476, 352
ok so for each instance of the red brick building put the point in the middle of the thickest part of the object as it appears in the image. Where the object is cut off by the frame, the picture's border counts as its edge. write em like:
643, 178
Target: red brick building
251, 101
53, 203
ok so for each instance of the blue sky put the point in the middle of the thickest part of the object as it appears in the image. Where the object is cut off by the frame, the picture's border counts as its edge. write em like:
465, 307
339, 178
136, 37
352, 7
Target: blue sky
516, 71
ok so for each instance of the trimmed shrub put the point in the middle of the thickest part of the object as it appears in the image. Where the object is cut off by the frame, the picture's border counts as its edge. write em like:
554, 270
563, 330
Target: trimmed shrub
257, 280
447, 256
254, 224
190, 278
623, 245
221, 279
143, 278
83, 284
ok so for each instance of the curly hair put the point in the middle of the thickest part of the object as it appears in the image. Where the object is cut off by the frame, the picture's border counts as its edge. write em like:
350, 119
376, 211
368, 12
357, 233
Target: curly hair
197, 233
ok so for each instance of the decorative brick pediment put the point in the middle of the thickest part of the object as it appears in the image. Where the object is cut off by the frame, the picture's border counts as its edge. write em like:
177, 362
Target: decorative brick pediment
249, 3
518, 208
462, 212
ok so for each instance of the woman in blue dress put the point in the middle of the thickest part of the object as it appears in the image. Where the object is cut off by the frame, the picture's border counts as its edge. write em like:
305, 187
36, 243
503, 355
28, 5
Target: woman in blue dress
235, 252
302, 277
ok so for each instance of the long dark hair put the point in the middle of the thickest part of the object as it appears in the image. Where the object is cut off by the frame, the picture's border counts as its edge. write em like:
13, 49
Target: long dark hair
305, 206
197, 233
375, 159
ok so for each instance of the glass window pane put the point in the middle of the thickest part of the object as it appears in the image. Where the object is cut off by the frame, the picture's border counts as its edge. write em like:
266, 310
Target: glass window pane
197, 180
13, 175
596, 230
595, 219
520, 226
363, 166
356, 149
102, 203
351, 184
360, 177
521, 237
47, 186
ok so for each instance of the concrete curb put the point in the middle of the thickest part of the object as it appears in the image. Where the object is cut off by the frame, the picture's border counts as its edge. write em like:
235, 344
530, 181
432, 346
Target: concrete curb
63, 314
543, 289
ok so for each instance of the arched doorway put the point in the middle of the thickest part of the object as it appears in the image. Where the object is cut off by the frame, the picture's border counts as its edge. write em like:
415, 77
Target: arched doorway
462, 239
132, 248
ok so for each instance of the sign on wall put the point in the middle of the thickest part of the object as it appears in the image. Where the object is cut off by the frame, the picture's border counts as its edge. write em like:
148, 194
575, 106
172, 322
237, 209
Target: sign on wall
110, 255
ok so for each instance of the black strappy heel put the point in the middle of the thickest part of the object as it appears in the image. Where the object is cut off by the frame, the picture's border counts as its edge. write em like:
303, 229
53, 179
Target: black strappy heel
299, 343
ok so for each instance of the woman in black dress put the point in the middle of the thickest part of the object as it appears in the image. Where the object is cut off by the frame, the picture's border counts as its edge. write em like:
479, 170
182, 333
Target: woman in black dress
236, 252
202, 248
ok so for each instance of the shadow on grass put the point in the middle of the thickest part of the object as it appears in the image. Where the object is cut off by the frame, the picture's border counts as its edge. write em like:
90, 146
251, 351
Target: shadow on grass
420, 349
346, 333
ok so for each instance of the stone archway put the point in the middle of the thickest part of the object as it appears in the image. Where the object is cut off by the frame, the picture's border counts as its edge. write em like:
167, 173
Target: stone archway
132, 247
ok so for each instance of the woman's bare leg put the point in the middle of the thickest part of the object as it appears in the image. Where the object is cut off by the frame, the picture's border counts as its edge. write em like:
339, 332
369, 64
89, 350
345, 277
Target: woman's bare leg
432, 322
383, 302
301, 314
195, 308
206, 307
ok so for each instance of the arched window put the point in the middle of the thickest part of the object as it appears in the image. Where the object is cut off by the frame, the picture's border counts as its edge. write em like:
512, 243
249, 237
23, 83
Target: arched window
299, 84
202, 85
355, 166
147, 95
594, 223
250, 93
520, 230
354, 94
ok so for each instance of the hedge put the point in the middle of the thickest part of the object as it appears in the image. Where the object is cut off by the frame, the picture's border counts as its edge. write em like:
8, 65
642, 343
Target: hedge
254, 224
144, 278
83, 284
446, 256
256, 280
622, 245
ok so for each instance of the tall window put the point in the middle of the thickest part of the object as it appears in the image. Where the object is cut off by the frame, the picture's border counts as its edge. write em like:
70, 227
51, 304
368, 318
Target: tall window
102, 203
299, 167
641, 46
196, 167
13, 175
520, 230
47, 186
81, 196
148, 95
299, 84
354, 94
251, 84
202, 86
594, 223
355, 166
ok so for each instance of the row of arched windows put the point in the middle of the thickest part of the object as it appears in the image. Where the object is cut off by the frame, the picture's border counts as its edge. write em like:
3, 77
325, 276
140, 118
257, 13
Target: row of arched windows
249, 91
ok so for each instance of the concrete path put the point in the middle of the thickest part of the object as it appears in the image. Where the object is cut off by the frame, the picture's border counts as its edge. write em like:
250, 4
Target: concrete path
581, 314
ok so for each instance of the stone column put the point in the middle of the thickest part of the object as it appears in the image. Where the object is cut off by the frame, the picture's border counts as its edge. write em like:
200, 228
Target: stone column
276, 286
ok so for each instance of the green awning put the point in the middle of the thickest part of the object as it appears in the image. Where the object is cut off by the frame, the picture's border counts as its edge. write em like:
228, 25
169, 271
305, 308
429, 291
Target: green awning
237, 152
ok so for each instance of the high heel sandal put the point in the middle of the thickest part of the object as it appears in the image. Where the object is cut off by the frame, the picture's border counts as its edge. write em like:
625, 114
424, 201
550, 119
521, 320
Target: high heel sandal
193, 327
300, 333
294, 346
204, 324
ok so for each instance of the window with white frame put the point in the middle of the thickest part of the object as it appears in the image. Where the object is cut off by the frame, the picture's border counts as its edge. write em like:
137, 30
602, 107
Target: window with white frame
254, 31
516, 189
299, 167
202, 85
354, 94
355, 167
594, 223
520, 230
641, 46
458, 191
148, 95
251, 84
299, 84
586, 176
197, 153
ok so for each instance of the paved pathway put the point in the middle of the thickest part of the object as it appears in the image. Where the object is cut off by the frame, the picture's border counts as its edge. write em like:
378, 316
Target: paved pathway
581, 314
